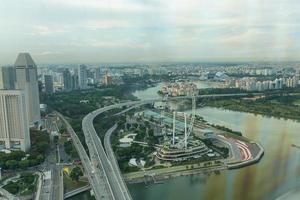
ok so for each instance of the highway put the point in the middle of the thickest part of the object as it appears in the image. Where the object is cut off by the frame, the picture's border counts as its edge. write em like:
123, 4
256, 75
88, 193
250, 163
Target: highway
100, 161
111, 157
103, 172
98, 182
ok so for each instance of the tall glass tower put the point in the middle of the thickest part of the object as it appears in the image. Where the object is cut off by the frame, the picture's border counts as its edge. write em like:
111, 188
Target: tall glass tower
26, 79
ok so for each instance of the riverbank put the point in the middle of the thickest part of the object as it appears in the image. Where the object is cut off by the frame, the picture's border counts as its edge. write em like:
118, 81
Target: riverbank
264, 181
285, 107
243, 153
172, 172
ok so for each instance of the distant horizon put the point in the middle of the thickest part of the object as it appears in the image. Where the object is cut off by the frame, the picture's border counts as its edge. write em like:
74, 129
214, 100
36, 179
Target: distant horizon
152, 62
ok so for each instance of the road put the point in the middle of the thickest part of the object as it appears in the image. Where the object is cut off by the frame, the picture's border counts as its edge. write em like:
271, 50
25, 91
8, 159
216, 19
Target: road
57, 183
103, 174
100, 160
111, 157
98, 182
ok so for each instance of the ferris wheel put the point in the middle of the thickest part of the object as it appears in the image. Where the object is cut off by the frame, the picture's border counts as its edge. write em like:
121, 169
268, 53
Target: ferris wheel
188, 127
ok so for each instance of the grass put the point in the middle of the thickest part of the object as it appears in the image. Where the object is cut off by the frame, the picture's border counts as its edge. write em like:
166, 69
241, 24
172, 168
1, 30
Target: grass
23, 186
70, 185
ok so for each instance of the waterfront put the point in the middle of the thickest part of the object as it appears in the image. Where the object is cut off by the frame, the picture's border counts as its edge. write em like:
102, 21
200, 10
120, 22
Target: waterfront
277, 173
151, 92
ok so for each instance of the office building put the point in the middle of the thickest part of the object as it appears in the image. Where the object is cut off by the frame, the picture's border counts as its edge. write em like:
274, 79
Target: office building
14, 124
107, 79
26, 79
82, 76
97, 75
7, 78
67, 78
48, 84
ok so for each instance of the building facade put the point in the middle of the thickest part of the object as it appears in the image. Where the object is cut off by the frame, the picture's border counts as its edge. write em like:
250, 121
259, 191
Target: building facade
14, 125
82, 76
67, 78
48, 84
7, 78
26, 79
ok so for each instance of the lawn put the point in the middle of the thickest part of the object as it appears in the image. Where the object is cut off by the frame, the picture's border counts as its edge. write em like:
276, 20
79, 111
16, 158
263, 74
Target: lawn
70, 185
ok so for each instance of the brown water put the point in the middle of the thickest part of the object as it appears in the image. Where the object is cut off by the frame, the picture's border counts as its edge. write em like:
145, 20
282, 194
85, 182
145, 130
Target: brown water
276, 174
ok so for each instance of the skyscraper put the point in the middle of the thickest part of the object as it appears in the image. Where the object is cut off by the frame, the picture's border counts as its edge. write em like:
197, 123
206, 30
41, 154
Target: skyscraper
107, 79
48, 84
26, 79
7, 78
82, 76
75, 84
67, 78
97, 75
14, 127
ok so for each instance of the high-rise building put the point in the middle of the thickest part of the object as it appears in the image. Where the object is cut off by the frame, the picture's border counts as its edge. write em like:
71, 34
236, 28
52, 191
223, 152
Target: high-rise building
26, 79
295, 81
7, 78
14, 126
67, 80
48, 84
82, 76
97, 75
75, 84
107, 79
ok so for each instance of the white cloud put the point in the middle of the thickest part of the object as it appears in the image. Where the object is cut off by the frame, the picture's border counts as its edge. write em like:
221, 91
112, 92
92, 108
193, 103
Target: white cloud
47, 53
105, 5
225, 27
108, 24
47, 31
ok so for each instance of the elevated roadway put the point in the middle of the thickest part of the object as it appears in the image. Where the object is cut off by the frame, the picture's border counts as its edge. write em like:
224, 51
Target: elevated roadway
103, 173
98, 182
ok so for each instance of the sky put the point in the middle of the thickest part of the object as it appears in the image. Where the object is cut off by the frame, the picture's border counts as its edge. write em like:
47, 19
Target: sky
97, 31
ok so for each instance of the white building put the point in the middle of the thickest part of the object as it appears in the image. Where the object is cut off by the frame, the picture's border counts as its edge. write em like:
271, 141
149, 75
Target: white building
82, 76
26, 79
14, 126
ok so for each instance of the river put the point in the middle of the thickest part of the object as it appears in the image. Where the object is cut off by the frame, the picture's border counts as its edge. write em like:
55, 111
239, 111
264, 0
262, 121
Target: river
152, 91
277, 173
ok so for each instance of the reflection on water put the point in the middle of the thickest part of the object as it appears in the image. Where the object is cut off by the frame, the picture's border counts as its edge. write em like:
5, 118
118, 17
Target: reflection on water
277, 173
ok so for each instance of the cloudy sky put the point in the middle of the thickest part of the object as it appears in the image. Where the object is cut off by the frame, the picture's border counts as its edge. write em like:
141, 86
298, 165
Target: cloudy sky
92, 31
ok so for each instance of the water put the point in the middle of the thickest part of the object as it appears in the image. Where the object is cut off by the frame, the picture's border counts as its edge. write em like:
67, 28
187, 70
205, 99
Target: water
152, 91
276, 174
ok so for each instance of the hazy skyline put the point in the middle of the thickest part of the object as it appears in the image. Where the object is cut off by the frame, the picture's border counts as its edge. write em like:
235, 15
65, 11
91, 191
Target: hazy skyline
93, 31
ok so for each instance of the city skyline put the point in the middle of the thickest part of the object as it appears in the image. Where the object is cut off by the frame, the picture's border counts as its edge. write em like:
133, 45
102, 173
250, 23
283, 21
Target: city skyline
150, 31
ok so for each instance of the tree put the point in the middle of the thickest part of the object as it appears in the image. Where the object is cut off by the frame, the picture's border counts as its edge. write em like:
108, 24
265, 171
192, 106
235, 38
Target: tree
42, 147
76, 173
28, 178
40, 158
23, 164
12, 164
55, 139
17, 155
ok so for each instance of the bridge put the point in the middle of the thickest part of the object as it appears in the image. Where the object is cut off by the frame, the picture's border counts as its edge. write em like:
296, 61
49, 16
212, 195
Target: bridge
77, 191
98, 181
102, 171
